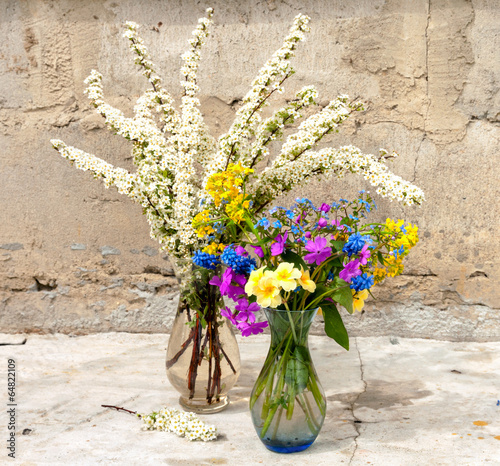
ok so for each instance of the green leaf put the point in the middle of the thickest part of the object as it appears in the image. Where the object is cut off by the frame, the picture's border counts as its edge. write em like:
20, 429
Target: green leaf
338, 245
334, 327
380, 258
343, 295
295, 259
297, 372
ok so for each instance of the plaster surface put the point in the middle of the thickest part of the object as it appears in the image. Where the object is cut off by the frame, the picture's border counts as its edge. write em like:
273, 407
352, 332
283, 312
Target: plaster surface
77, 258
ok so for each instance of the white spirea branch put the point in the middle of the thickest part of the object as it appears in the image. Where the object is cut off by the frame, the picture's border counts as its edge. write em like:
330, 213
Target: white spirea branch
313, 129
159, 95
186, 425
269, 80
272, 128
336, 162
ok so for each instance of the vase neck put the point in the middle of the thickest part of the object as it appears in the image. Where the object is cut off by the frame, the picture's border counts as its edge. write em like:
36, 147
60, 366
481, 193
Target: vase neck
295, 323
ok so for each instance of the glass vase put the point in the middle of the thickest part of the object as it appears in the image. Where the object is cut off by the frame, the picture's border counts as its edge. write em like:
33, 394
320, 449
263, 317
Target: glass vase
203, 359
287, 403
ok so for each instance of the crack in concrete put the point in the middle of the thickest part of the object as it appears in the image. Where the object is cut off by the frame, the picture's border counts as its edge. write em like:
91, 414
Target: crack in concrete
356, 420
426, 35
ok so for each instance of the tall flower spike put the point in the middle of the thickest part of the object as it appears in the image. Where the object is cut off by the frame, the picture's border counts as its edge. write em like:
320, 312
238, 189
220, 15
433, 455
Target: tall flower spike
314, 129
269, 80
159, 98
192, 57
274, 181
272, 128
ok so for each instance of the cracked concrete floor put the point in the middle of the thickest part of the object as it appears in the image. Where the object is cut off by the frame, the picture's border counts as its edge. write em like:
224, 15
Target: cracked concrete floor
391, 401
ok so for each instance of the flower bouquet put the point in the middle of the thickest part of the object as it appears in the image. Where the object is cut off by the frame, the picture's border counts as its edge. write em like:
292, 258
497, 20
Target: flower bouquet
308, 259
201, 195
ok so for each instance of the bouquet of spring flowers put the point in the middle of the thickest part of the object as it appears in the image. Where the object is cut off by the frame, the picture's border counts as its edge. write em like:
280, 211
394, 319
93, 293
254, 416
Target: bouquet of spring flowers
200, 194
306, 258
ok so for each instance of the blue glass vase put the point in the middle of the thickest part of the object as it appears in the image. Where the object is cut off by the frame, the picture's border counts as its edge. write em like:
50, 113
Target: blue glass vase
287, 403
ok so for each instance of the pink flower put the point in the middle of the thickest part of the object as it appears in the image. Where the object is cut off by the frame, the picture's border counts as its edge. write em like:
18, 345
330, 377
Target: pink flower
325, 208
364, 254
246, 310
278, 247
240, 250
251, 329
258, 251
351, 269
226, 312
319, 252
322, 223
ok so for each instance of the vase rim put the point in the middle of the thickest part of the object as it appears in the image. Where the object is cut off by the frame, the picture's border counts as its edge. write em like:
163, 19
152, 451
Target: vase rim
291, 310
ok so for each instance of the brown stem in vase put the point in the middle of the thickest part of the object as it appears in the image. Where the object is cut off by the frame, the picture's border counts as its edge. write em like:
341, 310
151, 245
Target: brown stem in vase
184, 347
193, 367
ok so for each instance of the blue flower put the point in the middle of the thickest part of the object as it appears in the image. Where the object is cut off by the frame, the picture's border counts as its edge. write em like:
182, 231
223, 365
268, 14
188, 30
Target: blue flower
398, 252
362, 282
205, 260
263, 222
354, 244
290, 214
277, 224
240, 264
219, 227
275, 209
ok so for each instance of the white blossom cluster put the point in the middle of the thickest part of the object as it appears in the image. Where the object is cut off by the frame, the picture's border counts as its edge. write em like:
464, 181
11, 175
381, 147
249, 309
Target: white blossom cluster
269, 79
175, 154
330, 162
183, 424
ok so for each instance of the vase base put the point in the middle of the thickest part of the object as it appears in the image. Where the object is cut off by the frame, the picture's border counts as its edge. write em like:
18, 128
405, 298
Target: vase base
289, 449
202, 407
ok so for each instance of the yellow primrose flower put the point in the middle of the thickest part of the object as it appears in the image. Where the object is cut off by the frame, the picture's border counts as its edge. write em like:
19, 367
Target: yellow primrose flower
253, 280
305, 281
286, 275
358, 299
267, 290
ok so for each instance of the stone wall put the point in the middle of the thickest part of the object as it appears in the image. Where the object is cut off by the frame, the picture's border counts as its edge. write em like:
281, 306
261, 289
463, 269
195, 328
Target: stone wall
77, 258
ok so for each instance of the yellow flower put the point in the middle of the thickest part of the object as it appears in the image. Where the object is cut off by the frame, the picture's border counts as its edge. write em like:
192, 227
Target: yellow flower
253, 280
286, 275
213, 248
306, 282
358, 299
394, 226
395, 266
378, 275
267, 290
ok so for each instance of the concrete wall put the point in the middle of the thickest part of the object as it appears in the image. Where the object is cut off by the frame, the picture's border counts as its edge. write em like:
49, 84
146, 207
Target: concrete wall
77, 258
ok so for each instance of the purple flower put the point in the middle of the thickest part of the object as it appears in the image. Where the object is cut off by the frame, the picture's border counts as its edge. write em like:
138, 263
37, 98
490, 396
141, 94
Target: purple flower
325, 208
278, 247
258, 251
226, 312
308, 234
364, 254
322, 222
225, 286
251, 329
246, 310
319, 251
351, 269
241, 251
